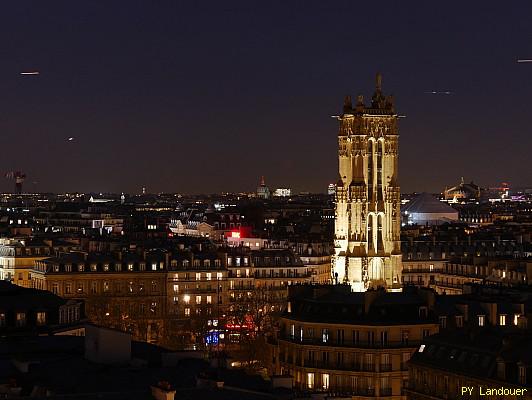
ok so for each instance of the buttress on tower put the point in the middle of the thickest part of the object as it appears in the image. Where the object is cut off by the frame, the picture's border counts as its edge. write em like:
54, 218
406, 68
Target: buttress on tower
368, 220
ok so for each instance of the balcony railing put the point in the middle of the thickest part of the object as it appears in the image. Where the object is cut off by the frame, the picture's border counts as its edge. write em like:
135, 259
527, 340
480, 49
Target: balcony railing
422, 271
329, 365
351, 344
385, 367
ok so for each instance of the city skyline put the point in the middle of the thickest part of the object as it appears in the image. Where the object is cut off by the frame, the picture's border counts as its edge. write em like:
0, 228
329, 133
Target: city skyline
207, 98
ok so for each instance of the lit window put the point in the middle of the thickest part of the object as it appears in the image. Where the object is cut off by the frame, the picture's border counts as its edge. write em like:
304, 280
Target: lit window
21, 319
219, 276
198, 299
502, 319
516, 319
186, 299
154, 266
421, 348
209, 276
130, 267
481, 320
198, 276
310, 380
209, 299
176, 288
325, 335
41, 318
325, 381
187, 312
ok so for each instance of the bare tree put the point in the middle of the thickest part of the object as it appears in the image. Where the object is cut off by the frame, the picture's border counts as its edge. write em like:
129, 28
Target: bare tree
252, 317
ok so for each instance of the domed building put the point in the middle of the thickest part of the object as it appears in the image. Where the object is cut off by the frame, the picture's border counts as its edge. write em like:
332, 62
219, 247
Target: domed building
425, 209
463, 192
263, 191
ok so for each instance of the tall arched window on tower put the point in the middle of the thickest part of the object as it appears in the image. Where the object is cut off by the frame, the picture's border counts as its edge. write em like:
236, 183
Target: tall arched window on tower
370, 232
370, 171
380, 145
380, 243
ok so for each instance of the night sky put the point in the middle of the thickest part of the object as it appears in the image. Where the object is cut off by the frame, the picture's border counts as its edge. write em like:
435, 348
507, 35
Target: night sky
203, 97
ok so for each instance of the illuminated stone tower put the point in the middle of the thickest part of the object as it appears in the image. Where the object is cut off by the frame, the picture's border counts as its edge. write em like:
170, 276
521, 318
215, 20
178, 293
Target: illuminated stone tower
368, 221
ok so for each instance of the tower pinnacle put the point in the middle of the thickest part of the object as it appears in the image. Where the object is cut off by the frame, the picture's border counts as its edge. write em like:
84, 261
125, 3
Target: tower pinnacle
378, 82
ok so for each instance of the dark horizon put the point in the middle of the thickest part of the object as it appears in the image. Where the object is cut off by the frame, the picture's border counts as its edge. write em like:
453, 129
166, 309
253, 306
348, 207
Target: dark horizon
194, 98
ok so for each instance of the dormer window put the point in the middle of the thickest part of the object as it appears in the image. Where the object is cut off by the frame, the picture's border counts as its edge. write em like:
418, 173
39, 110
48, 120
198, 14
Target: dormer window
501, 369
522, 374
423, 312
443, 322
